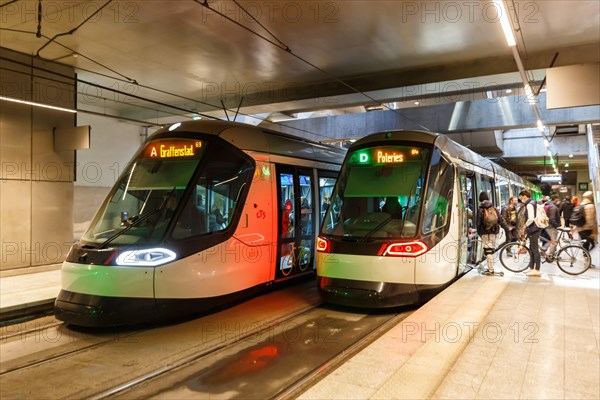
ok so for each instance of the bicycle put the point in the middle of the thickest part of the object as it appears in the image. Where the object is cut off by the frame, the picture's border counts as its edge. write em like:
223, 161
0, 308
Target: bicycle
572, 259
515, 256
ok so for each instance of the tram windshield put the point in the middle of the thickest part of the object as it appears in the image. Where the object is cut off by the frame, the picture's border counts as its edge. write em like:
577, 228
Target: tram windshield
150, 192
379, 194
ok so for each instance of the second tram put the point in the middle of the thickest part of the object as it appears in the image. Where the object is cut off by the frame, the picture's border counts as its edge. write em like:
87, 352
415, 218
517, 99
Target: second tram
401, 222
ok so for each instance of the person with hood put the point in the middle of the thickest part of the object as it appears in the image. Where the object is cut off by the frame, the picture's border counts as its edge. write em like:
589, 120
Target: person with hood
488, 226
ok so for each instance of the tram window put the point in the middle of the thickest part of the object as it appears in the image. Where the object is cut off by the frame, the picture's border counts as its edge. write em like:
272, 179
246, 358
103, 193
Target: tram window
306, 205
287, 205
504, 193
485, 186
372, 177
515, 190
439, 194
325, 188
214, 198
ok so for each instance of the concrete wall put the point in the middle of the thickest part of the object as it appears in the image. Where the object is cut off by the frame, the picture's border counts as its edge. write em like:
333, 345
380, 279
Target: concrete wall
113, 143
36, 182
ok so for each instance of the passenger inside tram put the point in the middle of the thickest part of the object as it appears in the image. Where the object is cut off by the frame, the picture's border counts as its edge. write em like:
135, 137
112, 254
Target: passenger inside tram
287, 223
392, 207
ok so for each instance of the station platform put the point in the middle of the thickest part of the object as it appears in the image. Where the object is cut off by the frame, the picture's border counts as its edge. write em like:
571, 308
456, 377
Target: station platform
25, 290
485, 337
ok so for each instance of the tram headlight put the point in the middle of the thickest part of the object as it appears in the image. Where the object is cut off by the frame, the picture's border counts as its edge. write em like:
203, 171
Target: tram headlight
145, 257
323, 245
406, 249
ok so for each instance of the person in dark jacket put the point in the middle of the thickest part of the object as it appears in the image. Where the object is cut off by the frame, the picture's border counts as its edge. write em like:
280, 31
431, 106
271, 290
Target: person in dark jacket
566, 209
488, 228
533, 233
554, 219
510, 220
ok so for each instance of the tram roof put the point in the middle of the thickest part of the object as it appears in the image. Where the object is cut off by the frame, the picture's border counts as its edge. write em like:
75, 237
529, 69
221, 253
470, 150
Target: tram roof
255, 138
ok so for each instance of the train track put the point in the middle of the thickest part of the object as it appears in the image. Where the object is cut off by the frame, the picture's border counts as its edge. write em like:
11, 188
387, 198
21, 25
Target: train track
298, 352
285, 338
45, 342
100, 361
184, 362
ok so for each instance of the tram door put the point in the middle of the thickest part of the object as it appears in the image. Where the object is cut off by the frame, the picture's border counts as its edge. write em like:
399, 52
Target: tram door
469, 246
296, 226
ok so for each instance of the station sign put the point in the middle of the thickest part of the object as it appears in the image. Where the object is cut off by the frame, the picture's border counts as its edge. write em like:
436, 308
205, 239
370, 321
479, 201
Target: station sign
551, 178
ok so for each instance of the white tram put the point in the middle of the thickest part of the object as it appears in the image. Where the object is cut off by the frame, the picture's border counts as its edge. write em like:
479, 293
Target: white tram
206, 213
401, 222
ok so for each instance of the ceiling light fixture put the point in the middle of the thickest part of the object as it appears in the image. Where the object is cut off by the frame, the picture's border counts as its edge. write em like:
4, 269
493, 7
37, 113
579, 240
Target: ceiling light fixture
540, 125
530, 95
503, 14
32, 103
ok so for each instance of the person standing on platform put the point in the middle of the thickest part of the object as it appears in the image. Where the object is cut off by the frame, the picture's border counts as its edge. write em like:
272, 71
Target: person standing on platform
566, 208
511, 220
589, 231
488, 226
533, 233
553, 214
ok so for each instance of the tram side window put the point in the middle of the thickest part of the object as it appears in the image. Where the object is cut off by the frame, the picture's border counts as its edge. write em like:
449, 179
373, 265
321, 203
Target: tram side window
215, 196
515, 190
439, 194
504, 193
325, 188
485, 186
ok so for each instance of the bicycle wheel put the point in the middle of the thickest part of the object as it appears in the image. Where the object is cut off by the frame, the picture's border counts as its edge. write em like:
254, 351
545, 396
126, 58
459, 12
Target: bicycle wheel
573, 260
515, 257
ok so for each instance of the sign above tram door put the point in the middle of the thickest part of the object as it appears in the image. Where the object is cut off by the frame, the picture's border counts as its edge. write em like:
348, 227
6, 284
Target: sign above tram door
551, 178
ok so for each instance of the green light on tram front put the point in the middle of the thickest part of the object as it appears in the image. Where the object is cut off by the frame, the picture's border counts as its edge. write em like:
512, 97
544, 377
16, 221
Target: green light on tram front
363, 158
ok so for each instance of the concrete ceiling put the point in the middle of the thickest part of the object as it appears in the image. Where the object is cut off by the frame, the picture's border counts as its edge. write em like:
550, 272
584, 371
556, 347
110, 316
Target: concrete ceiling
151, 60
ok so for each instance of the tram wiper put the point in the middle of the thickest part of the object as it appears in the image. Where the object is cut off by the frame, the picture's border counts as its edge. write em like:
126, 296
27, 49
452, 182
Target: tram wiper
136, 220
378, 227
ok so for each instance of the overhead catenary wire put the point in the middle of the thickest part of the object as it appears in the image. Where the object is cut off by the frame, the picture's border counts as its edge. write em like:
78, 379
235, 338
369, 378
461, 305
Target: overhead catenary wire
287, 49
281, 45
70, 32
7, 3
134, 82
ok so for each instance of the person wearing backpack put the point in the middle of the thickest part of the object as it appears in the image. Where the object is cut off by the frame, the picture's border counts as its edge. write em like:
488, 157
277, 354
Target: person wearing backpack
532, 231
553, 214
589, 230
488, 226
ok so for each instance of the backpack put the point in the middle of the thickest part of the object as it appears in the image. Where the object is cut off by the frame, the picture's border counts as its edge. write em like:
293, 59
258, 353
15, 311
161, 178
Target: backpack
540, 219
490, 218
577, 216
